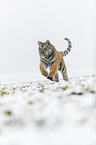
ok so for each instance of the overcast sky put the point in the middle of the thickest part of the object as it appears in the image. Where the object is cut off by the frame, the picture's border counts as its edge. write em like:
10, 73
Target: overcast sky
24, 22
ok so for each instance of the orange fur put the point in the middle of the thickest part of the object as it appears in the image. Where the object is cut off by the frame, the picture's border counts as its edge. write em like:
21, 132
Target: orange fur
50, 57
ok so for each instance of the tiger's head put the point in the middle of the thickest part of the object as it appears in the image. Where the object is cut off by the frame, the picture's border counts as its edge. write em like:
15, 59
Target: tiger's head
45, 48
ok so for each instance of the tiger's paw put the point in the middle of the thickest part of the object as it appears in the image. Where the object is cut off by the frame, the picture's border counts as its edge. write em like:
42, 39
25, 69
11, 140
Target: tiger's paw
50, 78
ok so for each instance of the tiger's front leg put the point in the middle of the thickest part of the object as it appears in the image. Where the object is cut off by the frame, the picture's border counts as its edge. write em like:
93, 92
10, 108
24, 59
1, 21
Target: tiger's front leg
53, 71
43, 70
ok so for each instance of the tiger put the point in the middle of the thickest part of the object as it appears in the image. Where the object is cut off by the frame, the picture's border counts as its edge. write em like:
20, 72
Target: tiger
50, 57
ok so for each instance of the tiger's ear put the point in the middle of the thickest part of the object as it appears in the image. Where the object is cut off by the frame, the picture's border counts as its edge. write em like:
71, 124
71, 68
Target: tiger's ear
39, 42
48, 42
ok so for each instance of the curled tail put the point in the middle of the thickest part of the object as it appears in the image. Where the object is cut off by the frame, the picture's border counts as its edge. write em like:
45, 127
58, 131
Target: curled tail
66, 52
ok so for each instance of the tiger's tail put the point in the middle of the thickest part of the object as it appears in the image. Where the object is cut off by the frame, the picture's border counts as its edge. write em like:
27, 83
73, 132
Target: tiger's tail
66, 52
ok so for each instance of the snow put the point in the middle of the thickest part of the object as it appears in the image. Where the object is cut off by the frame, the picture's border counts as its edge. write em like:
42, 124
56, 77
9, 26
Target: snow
48, 113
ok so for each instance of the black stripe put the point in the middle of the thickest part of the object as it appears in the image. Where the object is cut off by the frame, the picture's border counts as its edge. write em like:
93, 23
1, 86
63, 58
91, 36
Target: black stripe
52, 62
60, 65
43, 59
62, 53
63, 69
44, 62
69, 45
66, 51
51, 58
52, 54
48, 56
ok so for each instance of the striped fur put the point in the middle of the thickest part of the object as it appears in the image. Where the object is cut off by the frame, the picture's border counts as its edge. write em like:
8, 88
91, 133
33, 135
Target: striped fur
66, 52
50, 57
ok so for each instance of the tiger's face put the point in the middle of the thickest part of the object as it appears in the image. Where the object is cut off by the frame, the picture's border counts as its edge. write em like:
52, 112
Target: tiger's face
45, 49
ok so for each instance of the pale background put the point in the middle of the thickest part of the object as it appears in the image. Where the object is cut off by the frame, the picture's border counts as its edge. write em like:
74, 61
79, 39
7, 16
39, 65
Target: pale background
24, 22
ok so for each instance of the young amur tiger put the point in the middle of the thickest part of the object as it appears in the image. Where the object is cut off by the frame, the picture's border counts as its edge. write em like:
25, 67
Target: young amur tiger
50, 57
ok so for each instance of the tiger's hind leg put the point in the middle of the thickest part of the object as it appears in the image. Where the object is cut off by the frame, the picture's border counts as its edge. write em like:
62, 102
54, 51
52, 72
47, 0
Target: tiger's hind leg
57, 77
63, 70
65, 76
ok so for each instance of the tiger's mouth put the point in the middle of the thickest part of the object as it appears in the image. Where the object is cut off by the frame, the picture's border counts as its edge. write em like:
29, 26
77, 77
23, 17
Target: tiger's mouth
47, 55
50, 54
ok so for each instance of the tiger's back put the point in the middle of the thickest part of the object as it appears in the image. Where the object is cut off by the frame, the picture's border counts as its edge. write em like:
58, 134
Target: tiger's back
50, 57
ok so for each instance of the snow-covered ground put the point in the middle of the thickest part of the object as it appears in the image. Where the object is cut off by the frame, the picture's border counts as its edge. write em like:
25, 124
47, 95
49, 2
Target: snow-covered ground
48, 113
